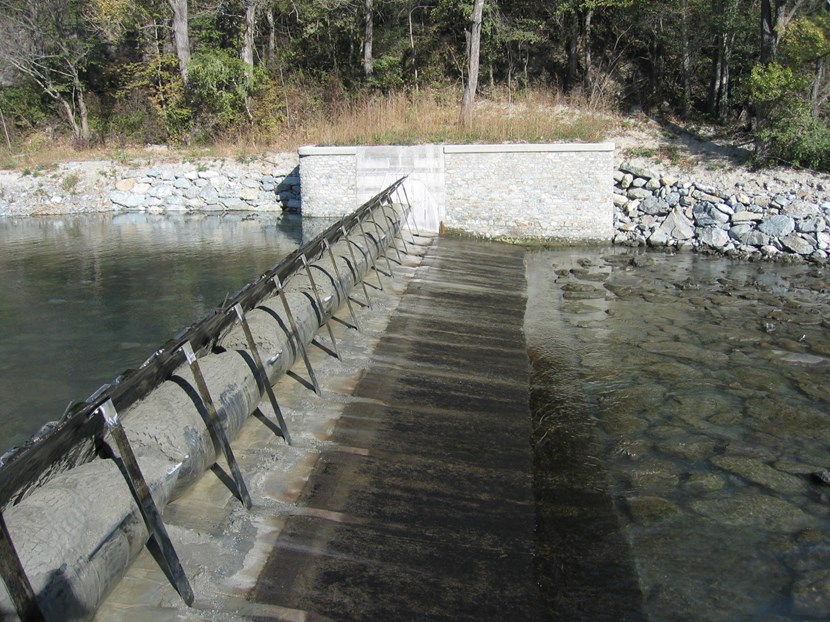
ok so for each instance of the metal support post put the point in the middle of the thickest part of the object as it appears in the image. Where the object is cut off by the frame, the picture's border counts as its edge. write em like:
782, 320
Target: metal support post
215, 425
409, 203
146, 504
394, 222
354, 263
339, 279
369, 254
385, 248
295, 334
407, 213
16, 580
263, 375
323, 315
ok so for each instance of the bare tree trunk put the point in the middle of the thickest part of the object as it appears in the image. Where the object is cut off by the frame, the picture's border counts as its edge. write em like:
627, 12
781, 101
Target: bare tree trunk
181, 36
571, 47
816, 98
412, 45
687, 58
717, 79
367, 41
70, 117
725, 76
83, 113
5, 130
473, 53
272, 36
589, 13
768, 35
247, 54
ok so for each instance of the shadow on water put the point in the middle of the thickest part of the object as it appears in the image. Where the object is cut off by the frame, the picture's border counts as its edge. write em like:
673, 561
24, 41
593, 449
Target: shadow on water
583, 562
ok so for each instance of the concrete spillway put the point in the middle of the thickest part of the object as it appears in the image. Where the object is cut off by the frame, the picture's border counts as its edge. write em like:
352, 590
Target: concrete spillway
407, 493
77, 531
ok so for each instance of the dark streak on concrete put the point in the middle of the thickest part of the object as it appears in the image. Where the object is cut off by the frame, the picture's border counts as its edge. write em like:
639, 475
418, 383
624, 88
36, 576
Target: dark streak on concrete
423, 506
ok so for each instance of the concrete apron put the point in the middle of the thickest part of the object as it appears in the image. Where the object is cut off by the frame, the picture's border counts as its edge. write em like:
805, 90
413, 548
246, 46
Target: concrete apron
78, 534
407, 493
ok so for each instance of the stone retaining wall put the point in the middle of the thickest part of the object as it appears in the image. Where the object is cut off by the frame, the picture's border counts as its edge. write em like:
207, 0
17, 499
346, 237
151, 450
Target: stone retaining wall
503, 192
660, 211
264, 184
530, 192
202, 187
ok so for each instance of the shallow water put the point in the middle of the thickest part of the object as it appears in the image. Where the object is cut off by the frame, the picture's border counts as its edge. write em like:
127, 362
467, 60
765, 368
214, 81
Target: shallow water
681, 403
82, 298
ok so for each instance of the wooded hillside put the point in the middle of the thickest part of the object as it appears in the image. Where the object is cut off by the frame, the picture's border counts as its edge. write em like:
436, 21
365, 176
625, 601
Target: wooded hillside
168, 71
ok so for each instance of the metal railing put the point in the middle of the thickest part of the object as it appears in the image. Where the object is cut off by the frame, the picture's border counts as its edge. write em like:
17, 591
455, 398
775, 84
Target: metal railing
88, 428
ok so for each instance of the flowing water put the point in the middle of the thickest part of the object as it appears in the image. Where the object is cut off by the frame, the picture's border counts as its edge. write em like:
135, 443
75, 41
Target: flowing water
681, 404
82, 298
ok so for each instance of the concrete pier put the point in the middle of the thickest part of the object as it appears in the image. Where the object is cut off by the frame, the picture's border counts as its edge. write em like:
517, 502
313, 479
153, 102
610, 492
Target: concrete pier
407, 493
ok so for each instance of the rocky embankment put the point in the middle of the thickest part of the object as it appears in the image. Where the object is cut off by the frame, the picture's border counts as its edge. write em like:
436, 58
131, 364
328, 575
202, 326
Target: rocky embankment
661, 211
266, 184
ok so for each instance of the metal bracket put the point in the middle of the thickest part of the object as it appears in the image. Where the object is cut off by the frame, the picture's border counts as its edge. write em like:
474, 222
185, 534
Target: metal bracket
395, 222
368, 253
323, 315
342, 285
354, 263
395, 225
16, 580
384, 248
409, 203
146, 504
263, 375
215, 426
295, 334
406, 214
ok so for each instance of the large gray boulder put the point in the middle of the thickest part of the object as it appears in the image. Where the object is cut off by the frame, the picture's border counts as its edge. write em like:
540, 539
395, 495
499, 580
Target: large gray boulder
675, 227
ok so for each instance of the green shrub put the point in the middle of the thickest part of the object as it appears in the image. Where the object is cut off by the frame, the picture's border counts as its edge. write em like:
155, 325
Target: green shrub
218, 90
794, 136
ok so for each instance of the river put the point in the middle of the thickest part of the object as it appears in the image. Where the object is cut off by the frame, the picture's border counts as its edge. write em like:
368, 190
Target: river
83, 298
681, 404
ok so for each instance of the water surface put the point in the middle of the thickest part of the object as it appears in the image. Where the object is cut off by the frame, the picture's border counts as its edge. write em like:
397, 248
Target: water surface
681, 404
83, 298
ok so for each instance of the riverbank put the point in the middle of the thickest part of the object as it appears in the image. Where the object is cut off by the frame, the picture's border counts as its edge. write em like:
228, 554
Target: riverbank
670, 190
267, 183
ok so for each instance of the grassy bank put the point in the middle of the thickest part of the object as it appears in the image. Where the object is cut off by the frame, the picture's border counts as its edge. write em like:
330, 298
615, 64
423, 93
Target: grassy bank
429, 116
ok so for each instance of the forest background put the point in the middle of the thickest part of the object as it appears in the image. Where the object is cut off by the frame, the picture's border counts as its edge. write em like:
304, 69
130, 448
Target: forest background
275, 74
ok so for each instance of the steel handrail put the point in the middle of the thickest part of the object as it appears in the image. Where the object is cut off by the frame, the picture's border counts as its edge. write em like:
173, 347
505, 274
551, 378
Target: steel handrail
78, 436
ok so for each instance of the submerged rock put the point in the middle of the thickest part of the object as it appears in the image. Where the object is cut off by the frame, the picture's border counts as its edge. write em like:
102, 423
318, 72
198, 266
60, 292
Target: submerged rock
753, 510
759, 473
650, 509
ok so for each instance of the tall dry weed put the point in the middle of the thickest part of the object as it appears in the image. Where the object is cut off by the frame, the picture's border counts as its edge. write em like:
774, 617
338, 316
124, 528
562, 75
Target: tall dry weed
401, 118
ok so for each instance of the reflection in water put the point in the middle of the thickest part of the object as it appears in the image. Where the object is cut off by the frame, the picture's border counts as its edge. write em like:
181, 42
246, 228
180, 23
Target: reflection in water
691, 393
82, 298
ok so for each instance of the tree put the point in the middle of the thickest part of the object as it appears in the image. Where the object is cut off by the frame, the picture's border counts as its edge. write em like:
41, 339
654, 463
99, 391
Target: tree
49, 41
776, 15
247, 55
367, 39
473, 52
181, 34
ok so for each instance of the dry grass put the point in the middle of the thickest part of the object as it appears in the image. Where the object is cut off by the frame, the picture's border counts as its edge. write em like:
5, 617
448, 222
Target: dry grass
398, 118
433, 117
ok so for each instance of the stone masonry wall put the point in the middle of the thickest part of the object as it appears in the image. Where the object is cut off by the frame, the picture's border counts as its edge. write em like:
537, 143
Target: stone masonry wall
266, 184
530, 192
202, 187
329, 175
504, 192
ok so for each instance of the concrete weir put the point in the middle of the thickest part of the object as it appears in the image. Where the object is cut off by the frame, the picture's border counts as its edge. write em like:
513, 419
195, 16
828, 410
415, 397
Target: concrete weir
73, 519
407, 491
